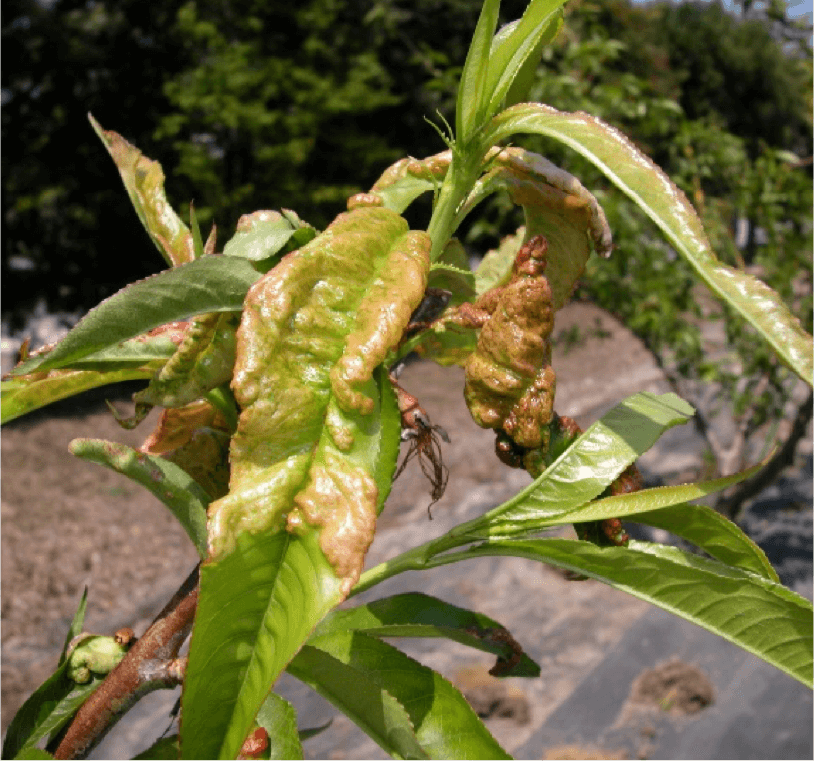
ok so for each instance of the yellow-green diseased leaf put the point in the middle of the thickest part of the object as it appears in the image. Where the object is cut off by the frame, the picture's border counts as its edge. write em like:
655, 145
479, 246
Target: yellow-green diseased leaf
278, 717
209, 284
444, 343
342, 665
257, 606
516, 51
495, 268
144, 182
556, 205
26, 393
473, 95
204, 360
639, 178
262, 234
756, 614
186, 500
407, 179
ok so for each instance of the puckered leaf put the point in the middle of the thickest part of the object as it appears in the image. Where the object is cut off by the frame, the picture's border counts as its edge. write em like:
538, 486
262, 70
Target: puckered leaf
637, 176
205, 360
144, 181
264, 235
316, 439
30, 392
556, 205
404, 181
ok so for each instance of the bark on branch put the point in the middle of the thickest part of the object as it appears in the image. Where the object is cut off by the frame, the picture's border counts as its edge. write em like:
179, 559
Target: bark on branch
126, 684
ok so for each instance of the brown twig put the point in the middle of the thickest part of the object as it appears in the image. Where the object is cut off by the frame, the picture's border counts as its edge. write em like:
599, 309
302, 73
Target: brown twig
126, 684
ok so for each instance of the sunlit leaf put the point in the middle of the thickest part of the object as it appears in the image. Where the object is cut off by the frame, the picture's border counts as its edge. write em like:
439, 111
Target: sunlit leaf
419, 615
144, 181
209, 284
750, 611
178, 491
362, 668
587, 467
638, 177
309, 457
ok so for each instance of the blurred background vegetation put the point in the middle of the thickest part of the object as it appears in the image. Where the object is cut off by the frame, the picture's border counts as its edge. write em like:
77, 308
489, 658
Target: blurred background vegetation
259, 104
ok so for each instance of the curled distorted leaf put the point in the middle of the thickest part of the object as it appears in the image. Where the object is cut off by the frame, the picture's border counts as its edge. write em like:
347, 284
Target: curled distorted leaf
509, 381
204, 360
336, 312
556, 205
144, 181
307, 462
403, 182
647, 185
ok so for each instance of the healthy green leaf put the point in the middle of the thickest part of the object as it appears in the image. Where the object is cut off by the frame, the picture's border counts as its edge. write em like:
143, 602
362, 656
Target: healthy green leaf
756, 614
209, 284
164, 749
359, 697
287, 543
444, 723
516, 50
278, 717
178, 491
47, 710
714, 534
473, 97
257, 606
263, 234
587, 467
636, 175
419, 615
75, 628
144, 181
33, 754
19, 396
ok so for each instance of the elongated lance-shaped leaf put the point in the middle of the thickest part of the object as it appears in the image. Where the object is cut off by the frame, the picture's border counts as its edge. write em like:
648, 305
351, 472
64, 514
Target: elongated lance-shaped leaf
587, 467
516, 52
26, 394
714, 534
473, 96
47, 709
178, 491
639, 178
312, 456
209, 284
358, 696
756, 614
51, 706
278, 717
144, 182
350, 667
419, 615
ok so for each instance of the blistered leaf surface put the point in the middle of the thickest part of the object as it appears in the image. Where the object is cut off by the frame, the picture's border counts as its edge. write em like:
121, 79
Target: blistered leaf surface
637, 176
